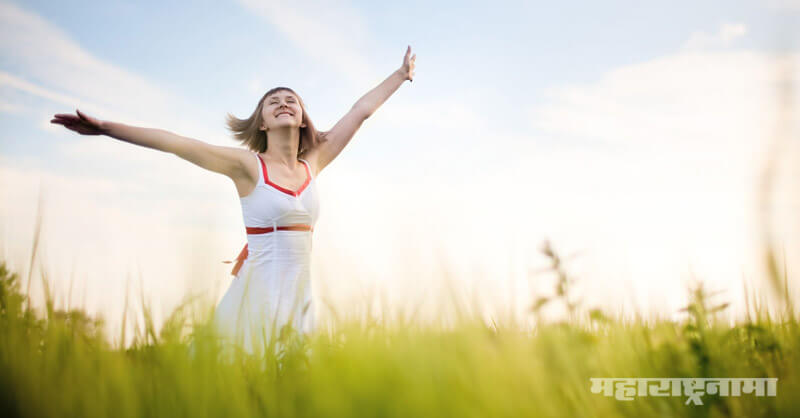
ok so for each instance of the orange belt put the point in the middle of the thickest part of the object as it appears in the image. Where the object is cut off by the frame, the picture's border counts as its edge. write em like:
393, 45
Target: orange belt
258, 230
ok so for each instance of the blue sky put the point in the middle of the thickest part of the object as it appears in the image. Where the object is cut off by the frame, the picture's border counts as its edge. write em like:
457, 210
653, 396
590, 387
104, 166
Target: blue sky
518, 48
197, 51
627, 130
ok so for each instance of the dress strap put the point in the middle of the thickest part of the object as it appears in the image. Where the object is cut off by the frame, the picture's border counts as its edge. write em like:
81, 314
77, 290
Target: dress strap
308, 167
262, 171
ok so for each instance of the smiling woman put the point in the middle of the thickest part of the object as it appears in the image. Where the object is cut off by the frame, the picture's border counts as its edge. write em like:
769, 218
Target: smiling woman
252, 133
271, 294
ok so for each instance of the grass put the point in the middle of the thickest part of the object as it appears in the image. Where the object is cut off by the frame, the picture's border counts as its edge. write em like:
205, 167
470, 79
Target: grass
60, 363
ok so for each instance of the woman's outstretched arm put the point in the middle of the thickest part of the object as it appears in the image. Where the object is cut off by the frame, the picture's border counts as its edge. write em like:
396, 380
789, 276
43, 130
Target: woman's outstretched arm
224, 160
334, 140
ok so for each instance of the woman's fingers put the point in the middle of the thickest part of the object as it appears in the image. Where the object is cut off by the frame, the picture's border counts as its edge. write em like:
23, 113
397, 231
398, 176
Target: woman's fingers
95, 123
409, 62
65, 122
84, 117
66, 117
72, 118
82, 124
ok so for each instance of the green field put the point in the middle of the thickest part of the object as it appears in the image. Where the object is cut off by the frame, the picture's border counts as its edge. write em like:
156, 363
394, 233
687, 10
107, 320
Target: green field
60, 363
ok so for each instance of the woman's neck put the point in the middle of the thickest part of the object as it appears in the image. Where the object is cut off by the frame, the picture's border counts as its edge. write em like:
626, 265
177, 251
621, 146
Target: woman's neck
282, 145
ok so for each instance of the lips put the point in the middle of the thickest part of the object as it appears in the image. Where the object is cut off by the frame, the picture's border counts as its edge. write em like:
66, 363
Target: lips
283, 113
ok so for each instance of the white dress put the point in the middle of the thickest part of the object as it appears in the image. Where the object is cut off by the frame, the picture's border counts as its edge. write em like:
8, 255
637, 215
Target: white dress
272, 288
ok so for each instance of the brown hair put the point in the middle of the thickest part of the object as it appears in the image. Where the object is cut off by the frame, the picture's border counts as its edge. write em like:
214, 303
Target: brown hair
247, 130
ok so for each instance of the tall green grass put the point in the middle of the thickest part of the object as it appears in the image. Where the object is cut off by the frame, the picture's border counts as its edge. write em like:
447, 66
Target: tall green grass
60, 363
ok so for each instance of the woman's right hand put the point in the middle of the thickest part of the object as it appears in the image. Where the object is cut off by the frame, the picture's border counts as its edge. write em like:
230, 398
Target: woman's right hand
82, 123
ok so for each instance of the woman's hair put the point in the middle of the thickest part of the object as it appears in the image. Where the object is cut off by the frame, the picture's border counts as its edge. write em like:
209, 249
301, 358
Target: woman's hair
247, 130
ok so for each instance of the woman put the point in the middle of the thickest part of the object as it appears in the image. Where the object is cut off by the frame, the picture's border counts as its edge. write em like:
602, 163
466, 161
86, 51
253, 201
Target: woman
274, 177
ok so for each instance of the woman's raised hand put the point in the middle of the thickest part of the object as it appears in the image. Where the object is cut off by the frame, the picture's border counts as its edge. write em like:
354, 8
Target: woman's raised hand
82, 123
408, 65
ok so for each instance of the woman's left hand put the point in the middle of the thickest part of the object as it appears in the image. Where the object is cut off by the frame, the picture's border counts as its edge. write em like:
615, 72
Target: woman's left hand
407, 70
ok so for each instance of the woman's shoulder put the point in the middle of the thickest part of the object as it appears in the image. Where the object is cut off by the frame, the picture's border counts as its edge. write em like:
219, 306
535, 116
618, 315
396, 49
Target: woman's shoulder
249, 159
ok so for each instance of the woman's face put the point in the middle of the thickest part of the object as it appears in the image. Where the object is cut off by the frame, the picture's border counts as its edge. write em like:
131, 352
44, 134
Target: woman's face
282, 110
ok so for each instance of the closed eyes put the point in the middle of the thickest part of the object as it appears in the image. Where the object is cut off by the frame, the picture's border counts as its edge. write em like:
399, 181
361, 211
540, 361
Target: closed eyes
275, 101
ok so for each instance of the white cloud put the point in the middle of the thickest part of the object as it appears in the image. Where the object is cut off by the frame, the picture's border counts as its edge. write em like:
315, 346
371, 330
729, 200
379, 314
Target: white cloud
333, 34
791, 5
9, 80
13, 108
53, 60
685, 138
730, 31
54, 67
727, 33
688, 101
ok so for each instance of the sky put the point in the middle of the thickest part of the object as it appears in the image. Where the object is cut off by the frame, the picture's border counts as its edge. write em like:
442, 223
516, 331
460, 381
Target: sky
633, 136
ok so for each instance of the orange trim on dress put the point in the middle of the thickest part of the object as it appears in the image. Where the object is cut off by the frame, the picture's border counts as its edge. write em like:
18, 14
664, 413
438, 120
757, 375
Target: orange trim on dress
263, 230
283, 189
